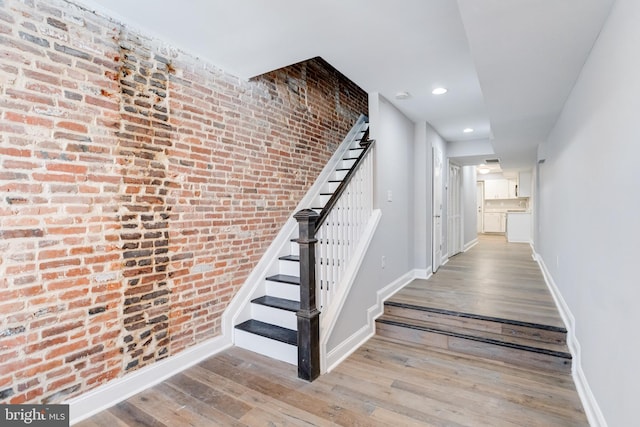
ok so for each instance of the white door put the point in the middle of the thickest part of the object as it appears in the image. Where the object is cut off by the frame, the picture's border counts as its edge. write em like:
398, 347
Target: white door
437, 208
480, 206
454, 211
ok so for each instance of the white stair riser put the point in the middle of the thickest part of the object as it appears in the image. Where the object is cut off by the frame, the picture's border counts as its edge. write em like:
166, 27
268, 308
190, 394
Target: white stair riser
356, 142
346, 164
321, 200
339, 175
274, 316
330, 187
290, 268
283, 290
266, 346
355, 153
294, 249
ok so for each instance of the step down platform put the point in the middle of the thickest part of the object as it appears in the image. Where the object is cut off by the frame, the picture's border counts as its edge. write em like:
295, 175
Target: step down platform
519, 343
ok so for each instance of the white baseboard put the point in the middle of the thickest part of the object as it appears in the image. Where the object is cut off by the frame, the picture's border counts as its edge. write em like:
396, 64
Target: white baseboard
115, 391
470, 244
591, 407
351, 344
348, 346
419, 273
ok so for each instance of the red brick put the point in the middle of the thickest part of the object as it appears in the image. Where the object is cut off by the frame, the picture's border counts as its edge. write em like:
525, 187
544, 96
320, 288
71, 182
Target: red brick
29, 396
61, 329
75, 127
29, 97
67, 168
30, 120
50, 177
66, 349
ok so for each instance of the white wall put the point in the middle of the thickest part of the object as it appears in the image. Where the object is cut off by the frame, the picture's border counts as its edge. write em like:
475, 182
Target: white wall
589, 213
469, 204
480, 148
394, 240
422, 198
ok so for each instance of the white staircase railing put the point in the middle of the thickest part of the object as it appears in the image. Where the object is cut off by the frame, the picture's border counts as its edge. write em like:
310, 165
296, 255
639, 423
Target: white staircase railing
338, 234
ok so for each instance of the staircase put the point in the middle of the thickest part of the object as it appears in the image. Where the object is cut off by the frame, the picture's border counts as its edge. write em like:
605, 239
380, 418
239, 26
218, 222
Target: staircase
530, 345
271, 329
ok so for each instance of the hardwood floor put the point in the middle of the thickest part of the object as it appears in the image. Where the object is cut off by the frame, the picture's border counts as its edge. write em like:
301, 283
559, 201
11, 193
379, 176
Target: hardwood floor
388, 381
493, 279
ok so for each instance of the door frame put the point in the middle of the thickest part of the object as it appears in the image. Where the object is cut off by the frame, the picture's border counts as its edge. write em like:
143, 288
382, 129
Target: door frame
436, 224
480, 206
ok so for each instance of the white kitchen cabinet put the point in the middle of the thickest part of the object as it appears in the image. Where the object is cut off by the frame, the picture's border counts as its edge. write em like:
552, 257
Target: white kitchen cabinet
524, 189
512, 188
496, 189
494, 222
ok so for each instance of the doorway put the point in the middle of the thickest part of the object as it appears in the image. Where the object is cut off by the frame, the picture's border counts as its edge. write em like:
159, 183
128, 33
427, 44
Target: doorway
454, 211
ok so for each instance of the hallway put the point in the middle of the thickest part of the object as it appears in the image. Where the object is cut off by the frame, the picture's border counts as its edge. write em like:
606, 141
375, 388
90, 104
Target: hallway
389, 380
493, 279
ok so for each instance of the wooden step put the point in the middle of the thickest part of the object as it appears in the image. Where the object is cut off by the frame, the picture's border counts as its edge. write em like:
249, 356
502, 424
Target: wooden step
280, 303
267, 330
494, 349
284, 278
270, 340
507, 327
479, 334
276, 311
283, 286
510, 341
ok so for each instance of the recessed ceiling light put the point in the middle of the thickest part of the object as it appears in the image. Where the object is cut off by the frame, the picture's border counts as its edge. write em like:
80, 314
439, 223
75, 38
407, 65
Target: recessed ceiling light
467, 130
439, 91
402, 95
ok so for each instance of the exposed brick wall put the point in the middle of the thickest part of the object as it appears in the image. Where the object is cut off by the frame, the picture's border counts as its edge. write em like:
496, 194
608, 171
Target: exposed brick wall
138, 188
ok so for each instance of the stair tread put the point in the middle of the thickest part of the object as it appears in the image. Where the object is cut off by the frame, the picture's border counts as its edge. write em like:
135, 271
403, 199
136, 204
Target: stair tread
476, 316
275, 302
290, 258
285, 278
267, 330
559, 350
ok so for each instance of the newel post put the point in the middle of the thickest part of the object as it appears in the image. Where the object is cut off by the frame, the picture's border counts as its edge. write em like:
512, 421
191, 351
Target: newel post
309, 315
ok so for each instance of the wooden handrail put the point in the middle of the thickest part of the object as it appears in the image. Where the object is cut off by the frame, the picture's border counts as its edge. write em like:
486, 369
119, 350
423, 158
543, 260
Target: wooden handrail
364, 143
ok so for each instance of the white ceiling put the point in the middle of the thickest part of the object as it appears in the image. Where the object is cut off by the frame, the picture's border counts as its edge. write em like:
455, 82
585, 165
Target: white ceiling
509, 65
